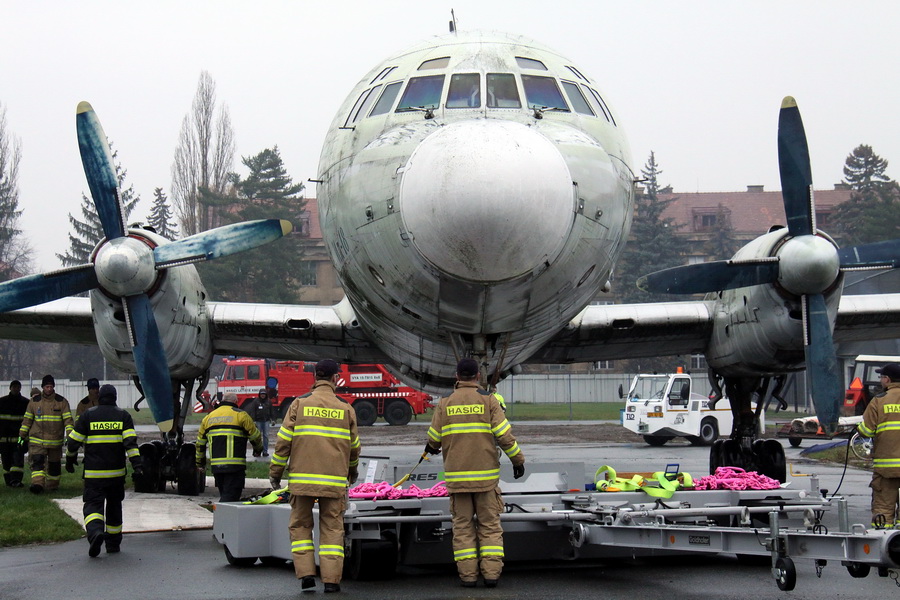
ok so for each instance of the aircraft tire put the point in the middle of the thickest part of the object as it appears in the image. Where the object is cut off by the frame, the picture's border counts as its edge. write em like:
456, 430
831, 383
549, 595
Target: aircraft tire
398, 412
150, 460
190, 480
771, 461
365, 413
715, 456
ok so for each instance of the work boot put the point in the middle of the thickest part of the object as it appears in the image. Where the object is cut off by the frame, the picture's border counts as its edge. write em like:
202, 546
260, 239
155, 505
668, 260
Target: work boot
15, 484
491, 583
331, 588
36, 489
96, 544
112, 548
308, 583
465, 583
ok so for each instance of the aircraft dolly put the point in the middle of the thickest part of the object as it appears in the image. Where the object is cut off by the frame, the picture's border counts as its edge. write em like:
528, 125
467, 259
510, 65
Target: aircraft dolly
546, 519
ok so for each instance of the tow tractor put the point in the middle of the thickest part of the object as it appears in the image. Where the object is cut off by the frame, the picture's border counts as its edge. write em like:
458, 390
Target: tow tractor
552, 514
662, 407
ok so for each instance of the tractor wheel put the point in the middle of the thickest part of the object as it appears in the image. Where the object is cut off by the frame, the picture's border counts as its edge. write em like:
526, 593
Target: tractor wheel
709, 431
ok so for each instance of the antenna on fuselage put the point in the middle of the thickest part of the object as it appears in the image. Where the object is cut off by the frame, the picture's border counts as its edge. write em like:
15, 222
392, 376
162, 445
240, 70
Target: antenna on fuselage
452, 21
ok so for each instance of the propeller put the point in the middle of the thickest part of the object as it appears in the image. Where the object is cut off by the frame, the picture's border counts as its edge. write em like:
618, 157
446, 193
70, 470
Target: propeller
806, 264
126, 266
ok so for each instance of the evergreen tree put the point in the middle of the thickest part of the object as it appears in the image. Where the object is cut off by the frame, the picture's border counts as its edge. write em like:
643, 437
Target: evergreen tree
267, 273
721, 244
89, 231
160, 218
652, 245
871, 213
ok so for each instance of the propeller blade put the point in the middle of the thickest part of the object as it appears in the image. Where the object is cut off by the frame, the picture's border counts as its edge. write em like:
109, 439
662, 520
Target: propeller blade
822, 371
150, 359
711, 276
37, 289
99, 170
796, 176
221, 241
884, 254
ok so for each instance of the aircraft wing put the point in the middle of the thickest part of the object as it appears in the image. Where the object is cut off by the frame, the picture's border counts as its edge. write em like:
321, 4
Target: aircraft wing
617, 331
297, 332
868, 317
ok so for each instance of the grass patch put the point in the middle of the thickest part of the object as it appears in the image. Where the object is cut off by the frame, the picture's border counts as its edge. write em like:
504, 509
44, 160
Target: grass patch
26, 518
838, 455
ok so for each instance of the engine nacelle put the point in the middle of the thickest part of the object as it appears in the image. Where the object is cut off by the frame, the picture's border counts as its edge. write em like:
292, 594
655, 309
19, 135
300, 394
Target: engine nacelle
178, 299
759, 329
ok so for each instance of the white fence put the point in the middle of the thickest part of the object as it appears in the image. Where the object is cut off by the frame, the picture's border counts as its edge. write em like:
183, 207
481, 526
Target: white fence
74, 391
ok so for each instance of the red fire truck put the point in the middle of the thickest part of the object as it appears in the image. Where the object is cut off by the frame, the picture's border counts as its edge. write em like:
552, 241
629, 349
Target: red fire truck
371, 389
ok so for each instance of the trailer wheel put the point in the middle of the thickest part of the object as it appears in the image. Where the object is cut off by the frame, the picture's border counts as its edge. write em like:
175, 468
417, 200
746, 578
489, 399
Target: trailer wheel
365, 413
244, 561
709, 431
397, 412
372, 559
785, 574
795, 441
656, 440
858, 570
191, 481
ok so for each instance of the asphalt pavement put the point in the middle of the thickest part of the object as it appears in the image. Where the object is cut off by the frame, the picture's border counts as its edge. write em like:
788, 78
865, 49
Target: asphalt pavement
191, 565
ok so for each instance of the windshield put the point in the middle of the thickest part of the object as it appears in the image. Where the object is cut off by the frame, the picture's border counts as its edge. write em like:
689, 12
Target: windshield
648, 388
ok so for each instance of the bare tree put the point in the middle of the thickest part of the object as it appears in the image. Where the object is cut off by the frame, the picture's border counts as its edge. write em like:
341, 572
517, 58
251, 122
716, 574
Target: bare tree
15, 251
203, 160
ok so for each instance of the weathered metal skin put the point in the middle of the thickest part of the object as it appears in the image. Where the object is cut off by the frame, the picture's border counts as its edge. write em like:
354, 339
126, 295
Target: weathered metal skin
178, 298
759, 330
479, 245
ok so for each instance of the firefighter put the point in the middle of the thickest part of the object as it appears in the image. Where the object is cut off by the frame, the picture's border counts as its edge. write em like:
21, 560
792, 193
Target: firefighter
881, 421
92, 398
319, 445
466, 426
108, 435
12, 409
48, 419
227, 430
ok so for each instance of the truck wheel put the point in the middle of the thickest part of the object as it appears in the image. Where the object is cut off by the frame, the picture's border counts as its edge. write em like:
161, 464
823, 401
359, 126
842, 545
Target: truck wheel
398, 412
656, 440
365, 413
709, 432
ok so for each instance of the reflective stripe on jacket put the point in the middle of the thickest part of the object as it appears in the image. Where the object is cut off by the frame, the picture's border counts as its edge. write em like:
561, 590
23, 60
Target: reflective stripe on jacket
47, 421
317, 444
108, 435
227, 430
881, 421
467, 426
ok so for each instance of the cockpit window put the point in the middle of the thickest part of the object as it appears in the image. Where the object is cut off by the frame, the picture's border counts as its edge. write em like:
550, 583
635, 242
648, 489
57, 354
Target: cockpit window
530, 63
387, 99
542, 92
465, 91
435, 63
579, 104
382, 74
502, 92
600, 104
422, 92
576, 72
363, 103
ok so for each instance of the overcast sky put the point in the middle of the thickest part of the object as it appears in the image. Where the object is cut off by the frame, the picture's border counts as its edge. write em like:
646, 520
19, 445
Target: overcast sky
698, 83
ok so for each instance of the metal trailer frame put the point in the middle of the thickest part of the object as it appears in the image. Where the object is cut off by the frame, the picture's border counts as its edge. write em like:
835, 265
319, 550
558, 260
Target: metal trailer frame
547, 519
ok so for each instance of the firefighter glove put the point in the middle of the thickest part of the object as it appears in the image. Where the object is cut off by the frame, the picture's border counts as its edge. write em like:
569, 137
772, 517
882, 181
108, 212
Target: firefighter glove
138, 473
431, 449
518, 471
71, 461
23, 444
275, 482
201, 464
353, 475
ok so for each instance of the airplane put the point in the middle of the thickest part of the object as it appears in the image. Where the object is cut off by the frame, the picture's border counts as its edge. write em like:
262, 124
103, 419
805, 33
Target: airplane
475, 193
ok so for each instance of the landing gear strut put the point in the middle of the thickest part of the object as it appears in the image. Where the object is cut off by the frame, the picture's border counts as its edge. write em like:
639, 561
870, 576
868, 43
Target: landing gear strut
743, 449
169, 458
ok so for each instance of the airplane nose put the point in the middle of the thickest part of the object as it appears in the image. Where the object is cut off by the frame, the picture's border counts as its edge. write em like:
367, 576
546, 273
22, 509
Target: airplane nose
487, 201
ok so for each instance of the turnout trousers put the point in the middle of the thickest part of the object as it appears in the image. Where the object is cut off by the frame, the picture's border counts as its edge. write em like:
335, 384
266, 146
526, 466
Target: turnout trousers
230, 485
885, 492
13, 463
46, 466
331, 537
477, 545
103, 510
